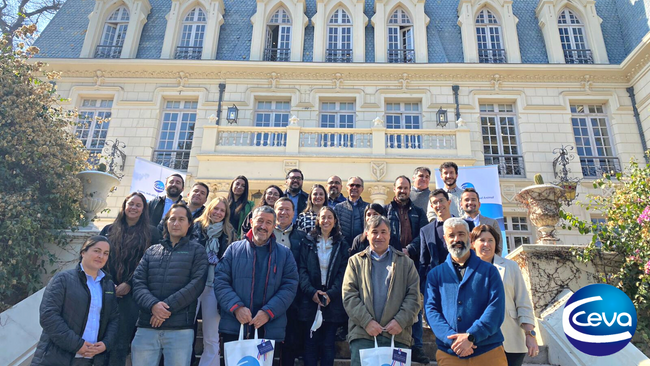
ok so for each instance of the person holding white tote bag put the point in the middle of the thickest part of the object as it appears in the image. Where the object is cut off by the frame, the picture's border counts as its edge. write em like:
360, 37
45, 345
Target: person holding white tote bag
248, 352
380, 356
381, 293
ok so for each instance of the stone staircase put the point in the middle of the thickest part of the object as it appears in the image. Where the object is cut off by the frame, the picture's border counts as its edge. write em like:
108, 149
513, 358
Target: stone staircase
343, 351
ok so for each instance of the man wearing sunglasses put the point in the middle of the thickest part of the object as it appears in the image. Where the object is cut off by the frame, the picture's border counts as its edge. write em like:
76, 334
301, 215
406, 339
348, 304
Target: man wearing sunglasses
350, 211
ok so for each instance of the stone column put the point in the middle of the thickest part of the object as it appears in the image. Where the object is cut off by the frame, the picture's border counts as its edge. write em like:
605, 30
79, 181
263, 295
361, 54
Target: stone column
379, 194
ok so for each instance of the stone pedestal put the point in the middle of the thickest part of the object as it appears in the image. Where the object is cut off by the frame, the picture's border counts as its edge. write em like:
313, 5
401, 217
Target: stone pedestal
66, 256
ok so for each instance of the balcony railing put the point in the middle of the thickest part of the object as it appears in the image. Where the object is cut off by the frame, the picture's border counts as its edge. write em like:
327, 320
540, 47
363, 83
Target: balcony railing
376, 141
175, 159
509, 166
401, 55
582, 56
188, 52
277, 54
596, 166
492, 56
338, 55
108, 51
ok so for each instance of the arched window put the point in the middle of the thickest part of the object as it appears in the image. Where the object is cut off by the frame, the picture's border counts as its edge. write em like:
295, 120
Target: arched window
488, 38
190, 46
401, 48
278, 37
339, 37
114, 33
572, 38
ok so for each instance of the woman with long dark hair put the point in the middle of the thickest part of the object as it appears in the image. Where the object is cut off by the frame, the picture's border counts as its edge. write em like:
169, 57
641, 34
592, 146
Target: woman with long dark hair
239, 204
317, 199
272, 193
78, 312
130, 235
323, 259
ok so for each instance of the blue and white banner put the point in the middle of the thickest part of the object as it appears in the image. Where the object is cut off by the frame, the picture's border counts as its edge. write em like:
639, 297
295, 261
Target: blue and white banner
485, 179
149, 178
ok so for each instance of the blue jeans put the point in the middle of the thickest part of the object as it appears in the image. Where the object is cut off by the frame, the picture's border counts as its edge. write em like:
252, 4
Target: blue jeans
320, 344
417, 332
149, 344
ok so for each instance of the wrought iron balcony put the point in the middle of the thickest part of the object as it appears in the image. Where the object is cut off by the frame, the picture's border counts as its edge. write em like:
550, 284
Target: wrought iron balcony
583, 56
277, 54
492, 56
175, 159
338, 55
596, 166
108, 51
510, 166
401, 55
188, 52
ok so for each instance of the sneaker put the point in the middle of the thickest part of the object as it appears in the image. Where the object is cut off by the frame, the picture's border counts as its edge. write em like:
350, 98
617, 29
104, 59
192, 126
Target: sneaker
417, 355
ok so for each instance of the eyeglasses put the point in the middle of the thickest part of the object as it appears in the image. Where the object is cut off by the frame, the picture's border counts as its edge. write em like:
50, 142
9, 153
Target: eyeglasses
295, 178
354, 185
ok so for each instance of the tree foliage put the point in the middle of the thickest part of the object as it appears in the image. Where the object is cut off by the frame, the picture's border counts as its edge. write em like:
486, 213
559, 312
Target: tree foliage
626, 232
39, 158
16, 13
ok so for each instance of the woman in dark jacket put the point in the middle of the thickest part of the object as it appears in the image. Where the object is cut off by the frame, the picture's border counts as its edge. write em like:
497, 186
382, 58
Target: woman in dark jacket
79, 312
271, 195
361, 241
323, 258
212, 230
130, 235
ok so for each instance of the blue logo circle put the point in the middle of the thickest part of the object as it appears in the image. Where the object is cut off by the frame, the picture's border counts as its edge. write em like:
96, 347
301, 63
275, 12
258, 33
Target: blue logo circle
159, 186
466, 185
248, 361
599, 320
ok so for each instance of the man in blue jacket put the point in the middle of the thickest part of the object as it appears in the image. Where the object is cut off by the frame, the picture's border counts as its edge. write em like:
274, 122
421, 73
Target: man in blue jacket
255, 282
465, 304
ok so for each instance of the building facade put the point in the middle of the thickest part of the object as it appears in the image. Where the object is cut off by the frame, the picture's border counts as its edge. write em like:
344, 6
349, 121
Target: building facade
352, 87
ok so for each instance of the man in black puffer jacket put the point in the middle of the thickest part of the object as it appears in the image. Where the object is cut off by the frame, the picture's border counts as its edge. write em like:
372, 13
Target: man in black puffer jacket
166, 286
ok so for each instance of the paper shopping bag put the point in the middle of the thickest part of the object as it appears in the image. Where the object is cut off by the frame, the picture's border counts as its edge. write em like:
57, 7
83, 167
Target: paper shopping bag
385, 356
249, 352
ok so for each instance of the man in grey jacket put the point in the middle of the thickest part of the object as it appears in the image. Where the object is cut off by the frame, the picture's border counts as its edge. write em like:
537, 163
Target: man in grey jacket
471, 203
350, 211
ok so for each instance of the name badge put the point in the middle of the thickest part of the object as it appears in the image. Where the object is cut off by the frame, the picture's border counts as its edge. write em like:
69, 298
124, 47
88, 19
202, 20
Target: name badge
265, 347
399, 356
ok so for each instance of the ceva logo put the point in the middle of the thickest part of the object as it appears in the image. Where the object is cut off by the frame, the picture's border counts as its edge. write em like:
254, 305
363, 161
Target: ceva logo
159, 186
466, 185
599, 320
248, 361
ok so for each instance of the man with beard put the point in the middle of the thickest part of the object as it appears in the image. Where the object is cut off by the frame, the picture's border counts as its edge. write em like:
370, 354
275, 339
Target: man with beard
350, 211
471, 204
159, 206
449, 175
294, 191
420, 191
465, 304
255, 282
406, 220
334, 187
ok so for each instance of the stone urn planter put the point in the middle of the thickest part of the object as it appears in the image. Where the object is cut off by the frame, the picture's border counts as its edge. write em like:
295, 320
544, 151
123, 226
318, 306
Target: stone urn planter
96, 187
543, 204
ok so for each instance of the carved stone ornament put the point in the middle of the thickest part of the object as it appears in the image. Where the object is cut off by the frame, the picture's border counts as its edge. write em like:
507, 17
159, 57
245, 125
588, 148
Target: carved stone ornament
220, 187
543, 204
379, 194
290, 164
378, 122
99, 78
182, 79
378, 169
508, 191
294, 120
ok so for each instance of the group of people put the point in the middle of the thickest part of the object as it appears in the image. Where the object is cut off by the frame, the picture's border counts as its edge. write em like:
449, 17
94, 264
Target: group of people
300, 268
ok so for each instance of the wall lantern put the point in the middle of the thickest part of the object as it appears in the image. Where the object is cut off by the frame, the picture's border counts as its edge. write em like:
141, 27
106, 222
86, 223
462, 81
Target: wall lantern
441, 117
231, 116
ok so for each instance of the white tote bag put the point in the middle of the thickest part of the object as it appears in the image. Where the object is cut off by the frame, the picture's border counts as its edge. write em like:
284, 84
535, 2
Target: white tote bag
246, 352
385, 356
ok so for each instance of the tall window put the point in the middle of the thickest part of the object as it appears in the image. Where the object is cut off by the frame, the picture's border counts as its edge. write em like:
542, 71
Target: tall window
92, 125
406, 116
114, 33
500, 142
339, 37
176, 134
572, 37
336, 115
278, 37
488, 37
401, 48
272, 114
518, 231
190, 46
593, 144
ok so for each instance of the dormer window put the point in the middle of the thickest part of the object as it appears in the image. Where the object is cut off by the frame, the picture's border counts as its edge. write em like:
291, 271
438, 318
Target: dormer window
278, 37
339, 37
488, 38
401, 48
572, 37
113, 35
190, 46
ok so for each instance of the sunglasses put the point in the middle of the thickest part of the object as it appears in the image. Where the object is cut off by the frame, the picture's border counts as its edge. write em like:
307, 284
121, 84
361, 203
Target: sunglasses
354, 185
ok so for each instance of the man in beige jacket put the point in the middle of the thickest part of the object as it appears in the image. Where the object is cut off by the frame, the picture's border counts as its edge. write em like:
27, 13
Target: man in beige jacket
380, 293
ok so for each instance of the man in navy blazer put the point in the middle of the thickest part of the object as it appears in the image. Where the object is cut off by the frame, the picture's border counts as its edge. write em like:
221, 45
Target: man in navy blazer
465, 304
433, 249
